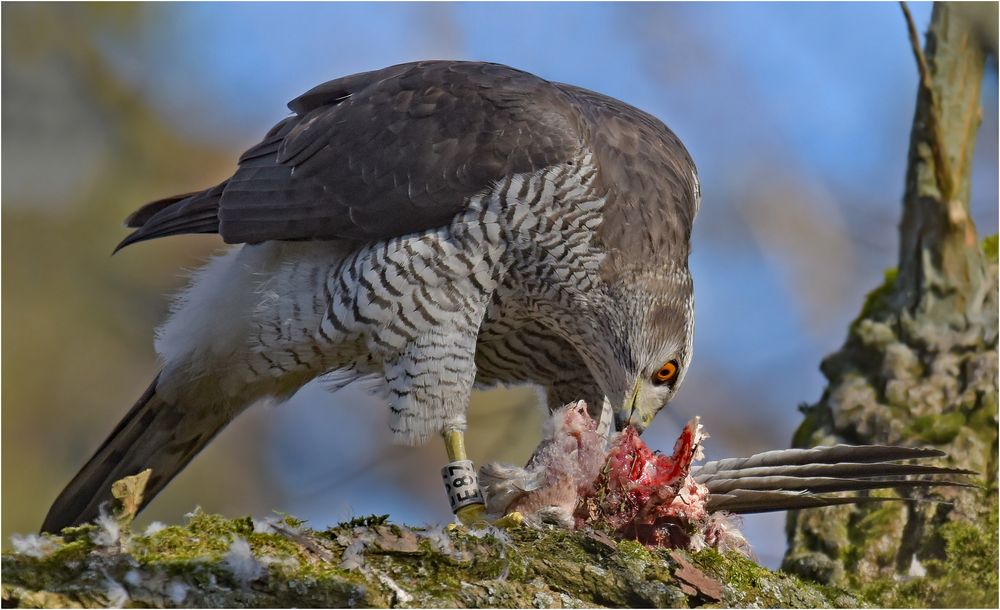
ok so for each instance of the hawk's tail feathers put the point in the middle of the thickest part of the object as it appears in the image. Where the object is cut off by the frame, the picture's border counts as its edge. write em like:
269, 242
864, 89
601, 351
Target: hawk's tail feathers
196, 212
153, 434
803, 478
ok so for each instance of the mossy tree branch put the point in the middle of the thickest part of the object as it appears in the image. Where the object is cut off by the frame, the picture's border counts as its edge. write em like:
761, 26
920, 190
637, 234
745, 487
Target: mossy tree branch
218, 562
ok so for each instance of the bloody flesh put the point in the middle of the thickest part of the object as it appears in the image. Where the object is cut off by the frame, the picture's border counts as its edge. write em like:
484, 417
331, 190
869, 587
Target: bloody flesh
644, 495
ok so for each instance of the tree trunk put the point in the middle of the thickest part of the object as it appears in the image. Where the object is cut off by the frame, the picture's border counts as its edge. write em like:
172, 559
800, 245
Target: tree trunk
942, 271
919, 366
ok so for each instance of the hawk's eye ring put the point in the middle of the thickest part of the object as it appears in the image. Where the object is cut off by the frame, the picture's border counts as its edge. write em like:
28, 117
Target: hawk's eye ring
666, 374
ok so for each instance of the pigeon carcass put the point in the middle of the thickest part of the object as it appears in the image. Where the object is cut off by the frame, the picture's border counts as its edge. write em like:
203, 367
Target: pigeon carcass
580, 478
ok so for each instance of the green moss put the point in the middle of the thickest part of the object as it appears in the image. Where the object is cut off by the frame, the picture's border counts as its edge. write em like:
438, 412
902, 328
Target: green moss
366, 521
937, 429
517, 568
878, 521
966, 576
976, 547
990, 248
66, 562
710, 559
745, 574
204, 537
634, 551
294, 522
752, 585
875, 300
814, 420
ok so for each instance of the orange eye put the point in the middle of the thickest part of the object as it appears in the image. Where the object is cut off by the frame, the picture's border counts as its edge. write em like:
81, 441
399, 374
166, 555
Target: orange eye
666, 374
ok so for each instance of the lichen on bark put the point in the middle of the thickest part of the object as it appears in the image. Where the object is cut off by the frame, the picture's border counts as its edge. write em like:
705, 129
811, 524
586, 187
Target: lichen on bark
217, 562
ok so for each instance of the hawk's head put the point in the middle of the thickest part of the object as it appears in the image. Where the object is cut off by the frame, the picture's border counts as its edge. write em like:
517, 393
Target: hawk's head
641, 343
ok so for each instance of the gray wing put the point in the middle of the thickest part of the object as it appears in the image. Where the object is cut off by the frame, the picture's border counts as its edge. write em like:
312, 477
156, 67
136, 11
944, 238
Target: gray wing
380, 154
400, 150
801, 478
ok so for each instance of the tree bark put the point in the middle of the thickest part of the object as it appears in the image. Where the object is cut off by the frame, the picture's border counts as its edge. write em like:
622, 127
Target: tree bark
919, 366
942, 270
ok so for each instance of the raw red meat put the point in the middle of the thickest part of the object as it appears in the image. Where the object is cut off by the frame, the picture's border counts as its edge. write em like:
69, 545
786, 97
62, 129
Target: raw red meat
645, 495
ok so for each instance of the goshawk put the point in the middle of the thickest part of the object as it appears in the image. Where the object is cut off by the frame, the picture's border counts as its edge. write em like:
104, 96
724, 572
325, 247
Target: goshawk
435, 226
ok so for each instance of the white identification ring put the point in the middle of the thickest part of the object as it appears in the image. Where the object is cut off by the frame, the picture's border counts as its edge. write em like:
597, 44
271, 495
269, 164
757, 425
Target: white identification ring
461, 484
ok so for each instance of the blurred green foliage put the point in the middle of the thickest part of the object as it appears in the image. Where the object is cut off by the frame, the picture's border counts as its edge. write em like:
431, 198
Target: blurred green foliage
77, 348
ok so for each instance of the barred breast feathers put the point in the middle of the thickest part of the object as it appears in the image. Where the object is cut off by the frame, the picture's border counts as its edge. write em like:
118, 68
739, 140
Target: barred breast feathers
243, 314
279, 313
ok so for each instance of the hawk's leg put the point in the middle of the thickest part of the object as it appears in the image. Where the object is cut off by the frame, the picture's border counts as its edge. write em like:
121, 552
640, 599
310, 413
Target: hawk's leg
460, 480
467, 496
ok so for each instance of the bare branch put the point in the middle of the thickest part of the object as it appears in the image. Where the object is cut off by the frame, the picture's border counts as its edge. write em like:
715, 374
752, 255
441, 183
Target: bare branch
942, 168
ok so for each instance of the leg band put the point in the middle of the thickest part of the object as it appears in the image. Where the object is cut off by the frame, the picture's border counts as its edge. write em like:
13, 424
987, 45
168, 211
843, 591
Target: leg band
461, 484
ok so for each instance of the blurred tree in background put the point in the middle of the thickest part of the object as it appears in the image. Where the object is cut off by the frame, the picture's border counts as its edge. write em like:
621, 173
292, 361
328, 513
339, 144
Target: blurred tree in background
80, 149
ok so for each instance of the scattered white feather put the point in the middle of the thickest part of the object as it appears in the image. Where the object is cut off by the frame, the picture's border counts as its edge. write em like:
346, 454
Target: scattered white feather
502, 537
402, 597
108, 532
177, 591
32, 545
133, 578
154, 528
241, 563
283, 562
699, 437
115, 592
265, 525
490, 531
354, 555
439, 539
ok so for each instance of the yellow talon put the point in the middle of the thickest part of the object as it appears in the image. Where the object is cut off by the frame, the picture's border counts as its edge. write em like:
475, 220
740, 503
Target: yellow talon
474, 514
510, 520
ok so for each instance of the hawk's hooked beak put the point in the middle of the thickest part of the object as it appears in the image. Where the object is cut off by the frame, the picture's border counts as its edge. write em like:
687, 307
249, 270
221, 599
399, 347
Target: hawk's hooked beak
631, 414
